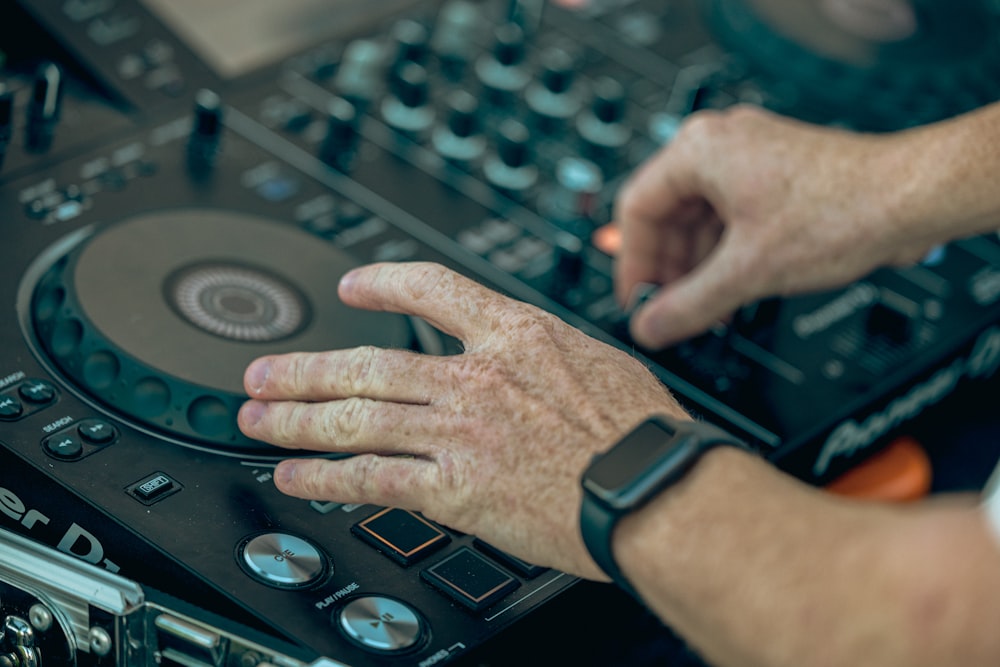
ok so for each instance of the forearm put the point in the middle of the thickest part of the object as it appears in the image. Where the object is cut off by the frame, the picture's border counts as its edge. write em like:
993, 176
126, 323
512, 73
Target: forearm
940, 179
754, 568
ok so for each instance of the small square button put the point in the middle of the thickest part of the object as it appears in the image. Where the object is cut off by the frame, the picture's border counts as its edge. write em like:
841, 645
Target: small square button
153, 488
401, 535
470, 579
518, 566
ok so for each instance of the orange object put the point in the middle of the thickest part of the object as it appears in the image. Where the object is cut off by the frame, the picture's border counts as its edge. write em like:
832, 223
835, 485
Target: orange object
607, 239
899, 473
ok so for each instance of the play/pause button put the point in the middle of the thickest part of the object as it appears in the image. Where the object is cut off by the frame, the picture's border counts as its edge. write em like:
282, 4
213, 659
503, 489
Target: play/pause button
380, 623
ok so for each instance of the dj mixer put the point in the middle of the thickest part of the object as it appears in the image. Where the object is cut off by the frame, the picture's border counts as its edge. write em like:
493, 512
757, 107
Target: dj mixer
183, 183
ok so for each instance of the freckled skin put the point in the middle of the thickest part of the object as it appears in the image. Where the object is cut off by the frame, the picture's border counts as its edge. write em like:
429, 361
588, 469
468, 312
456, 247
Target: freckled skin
525, 406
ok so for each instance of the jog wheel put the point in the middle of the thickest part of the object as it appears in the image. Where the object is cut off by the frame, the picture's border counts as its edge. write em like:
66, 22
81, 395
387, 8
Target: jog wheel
872, 64
155, 318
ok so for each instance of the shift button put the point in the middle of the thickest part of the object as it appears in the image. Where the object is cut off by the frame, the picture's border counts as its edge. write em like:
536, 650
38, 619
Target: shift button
154, 487
282, 560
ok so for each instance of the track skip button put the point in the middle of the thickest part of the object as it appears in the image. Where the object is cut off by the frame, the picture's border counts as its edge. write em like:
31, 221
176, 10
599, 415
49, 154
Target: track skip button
65, 446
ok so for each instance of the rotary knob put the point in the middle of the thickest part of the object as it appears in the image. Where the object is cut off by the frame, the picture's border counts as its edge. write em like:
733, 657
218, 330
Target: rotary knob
602, 126
44, 107
456, 36
360, 75
567, 269
502, 72
460, 140
407, 110
206, 132
571, 202
412, 42
510, 169
340, 143
6, 119
555, 97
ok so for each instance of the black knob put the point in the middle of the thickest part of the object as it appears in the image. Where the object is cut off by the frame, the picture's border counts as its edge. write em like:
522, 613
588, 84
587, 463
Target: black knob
340, 143
511, 169
571, 203
412, 85
508, 49
361, 74
463, 114
694, 87
412, 42
6, 119
757, 320
555, 97
513, 146
602, 126
6, 113
502, 71
609, 101
44, 107
407, 109
456, 36
460, 140
698, 97
557, 70
206, 132
207, 115
567, 269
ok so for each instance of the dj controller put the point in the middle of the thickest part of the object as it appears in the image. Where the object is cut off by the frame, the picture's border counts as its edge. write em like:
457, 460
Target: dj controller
182, 185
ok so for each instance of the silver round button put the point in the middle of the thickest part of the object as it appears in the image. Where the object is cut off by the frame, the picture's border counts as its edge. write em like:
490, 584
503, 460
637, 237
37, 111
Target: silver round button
380, 623
283, 560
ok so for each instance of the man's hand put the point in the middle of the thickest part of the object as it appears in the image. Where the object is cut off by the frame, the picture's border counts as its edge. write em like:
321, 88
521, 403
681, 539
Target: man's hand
745, 204
491, 442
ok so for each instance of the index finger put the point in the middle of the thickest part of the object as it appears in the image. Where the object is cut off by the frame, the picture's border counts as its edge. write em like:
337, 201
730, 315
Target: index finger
447, 300
655, 211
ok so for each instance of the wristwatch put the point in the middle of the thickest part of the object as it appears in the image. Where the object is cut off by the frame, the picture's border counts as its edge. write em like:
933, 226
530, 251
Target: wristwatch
656, 454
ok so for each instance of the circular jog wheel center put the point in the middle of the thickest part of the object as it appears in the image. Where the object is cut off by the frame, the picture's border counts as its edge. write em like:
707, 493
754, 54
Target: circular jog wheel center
158, 316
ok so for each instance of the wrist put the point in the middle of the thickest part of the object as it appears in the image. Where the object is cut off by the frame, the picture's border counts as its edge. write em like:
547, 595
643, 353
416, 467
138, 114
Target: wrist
942, 184
650, 459
654, 546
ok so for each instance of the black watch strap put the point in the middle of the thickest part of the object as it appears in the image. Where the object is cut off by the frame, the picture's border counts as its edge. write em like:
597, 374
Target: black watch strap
600, 540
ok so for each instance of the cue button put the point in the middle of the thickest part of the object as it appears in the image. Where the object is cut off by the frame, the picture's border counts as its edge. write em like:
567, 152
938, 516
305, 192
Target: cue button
282, 560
